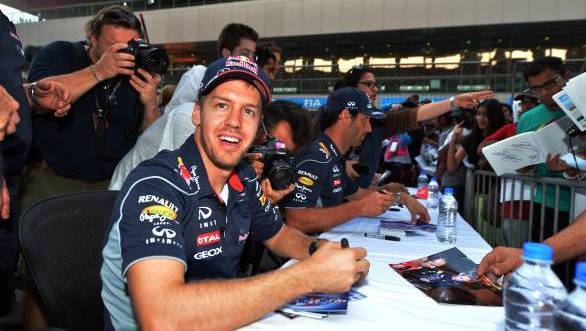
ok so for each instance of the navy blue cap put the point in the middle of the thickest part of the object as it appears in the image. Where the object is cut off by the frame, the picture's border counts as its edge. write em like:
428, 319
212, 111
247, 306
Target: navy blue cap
537, 252
235, 67
351, 98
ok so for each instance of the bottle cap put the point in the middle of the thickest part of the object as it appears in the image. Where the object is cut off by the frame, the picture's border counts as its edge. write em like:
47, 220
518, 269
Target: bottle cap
537, 252
448, 190
580, 273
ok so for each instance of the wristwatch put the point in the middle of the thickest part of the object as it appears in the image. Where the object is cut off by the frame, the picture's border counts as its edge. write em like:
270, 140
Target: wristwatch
31, 93
313, 246
452, 102
398, 198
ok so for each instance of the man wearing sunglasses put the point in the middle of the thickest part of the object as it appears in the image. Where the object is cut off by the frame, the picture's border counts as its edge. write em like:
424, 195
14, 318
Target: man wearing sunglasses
546, 76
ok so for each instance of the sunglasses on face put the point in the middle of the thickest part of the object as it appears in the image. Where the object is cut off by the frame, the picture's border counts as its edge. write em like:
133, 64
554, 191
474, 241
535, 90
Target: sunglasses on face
369, 84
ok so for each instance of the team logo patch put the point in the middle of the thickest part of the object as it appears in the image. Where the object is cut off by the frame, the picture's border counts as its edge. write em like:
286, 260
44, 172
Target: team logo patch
306, 181
324, 149
208, 238
207, 254
243, 236
243, 62
262, 199
161, 211
336, 182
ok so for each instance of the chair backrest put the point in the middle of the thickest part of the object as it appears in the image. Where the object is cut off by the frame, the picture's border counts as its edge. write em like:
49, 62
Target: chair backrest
62, 239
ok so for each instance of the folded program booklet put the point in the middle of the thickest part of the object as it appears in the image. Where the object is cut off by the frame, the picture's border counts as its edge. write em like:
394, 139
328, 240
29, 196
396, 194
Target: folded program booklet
572, 100
530, 148
323, 303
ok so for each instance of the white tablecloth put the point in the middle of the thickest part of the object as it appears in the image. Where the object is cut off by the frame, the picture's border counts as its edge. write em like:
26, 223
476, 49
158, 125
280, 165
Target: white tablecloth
392, 303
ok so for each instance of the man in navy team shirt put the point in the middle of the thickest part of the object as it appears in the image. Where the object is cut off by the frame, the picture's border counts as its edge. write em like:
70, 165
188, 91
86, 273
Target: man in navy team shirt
317, 204
182, 219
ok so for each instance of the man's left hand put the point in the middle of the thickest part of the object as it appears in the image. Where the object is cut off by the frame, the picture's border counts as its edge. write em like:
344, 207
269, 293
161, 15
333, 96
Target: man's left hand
275, 195
146, 87
53, 95
255, 160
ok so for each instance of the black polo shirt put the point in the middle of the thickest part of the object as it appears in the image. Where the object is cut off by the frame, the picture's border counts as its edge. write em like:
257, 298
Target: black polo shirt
68, 144
15, 146
320, 172
167, 209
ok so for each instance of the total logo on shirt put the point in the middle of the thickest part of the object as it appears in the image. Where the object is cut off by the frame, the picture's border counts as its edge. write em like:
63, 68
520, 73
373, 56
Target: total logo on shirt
209, 238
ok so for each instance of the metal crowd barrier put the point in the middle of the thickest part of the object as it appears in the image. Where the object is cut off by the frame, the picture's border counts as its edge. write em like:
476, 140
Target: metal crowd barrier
504, 211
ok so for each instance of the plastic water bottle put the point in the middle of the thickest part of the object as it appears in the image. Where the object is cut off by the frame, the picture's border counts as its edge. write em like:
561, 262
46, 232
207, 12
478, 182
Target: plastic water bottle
432, 194
448, 214
570, 315
422, 185
533, 291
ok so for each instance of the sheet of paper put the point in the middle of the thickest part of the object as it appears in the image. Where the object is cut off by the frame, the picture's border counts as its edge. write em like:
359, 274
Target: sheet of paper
513, 153
553, 138
575, 89
567, 104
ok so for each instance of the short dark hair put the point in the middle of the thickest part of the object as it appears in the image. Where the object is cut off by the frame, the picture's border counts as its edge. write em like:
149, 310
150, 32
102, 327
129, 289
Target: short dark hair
118, 16
326, 119
232, 33
293, 113
548, 62
263, 55
353, 76
272, 46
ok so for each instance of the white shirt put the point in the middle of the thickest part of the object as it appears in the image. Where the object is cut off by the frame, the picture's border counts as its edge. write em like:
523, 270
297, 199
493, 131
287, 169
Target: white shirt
168, 132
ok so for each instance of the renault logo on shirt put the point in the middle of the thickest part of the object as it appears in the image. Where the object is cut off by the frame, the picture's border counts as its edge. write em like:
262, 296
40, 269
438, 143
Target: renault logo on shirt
204, 213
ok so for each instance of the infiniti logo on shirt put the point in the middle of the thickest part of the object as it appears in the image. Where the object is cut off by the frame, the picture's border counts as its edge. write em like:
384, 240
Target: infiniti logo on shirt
204, 213
168, 233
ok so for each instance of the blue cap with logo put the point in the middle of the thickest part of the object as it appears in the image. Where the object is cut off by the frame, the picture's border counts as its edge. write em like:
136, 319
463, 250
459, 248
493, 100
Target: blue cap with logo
235, 67
352, 99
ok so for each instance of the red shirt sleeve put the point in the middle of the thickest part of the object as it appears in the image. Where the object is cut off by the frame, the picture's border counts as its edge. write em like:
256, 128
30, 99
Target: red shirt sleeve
505, 132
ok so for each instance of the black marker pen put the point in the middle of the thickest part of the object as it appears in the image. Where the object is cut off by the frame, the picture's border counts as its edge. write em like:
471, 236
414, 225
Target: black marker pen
345, 243
381, 236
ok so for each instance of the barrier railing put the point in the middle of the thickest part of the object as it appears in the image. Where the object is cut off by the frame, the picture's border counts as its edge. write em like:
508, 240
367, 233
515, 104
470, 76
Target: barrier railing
511, 209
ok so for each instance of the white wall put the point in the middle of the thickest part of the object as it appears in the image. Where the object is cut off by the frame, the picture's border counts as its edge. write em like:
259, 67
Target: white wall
279, 18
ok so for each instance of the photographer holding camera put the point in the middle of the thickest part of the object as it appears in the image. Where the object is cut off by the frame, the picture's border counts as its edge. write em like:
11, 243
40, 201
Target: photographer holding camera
276, 143
114, 98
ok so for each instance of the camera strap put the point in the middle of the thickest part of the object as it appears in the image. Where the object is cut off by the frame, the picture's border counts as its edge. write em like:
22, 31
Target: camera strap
105, 97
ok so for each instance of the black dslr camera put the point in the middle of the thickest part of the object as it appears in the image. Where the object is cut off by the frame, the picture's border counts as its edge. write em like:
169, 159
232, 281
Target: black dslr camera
278, 163
146, 56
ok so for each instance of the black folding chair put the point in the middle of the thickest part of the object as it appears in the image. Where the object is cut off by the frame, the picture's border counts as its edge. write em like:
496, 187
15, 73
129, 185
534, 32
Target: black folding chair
62, 239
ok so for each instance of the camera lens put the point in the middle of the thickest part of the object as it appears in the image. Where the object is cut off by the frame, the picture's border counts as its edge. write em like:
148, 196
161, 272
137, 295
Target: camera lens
281, 174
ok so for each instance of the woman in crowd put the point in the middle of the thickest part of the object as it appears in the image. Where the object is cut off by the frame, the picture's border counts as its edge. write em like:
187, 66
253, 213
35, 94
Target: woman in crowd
462, 149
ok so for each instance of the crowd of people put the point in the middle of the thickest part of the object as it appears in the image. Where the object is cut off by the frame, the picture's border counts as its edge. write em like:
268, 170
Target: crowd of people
193, 197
